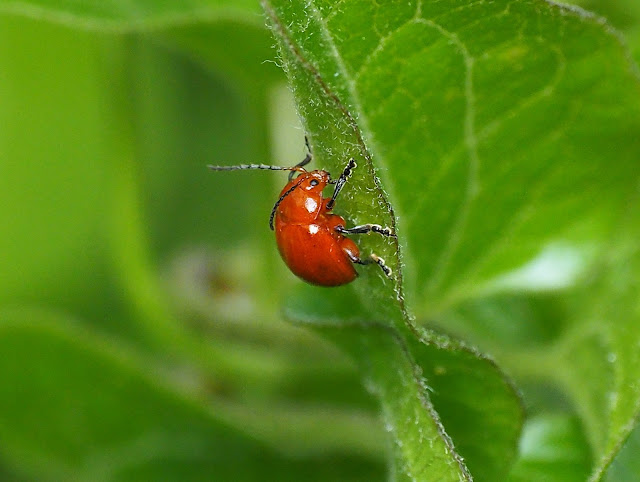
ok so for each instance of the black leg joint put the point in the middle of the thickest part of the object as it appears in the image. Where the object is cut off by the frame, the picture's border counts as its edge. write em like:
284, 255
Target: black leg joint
367, 228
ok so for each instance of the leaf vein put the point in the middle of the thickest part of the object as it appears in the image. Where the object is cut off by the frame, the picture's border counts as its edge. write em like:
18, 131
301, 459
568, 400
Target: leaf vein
471, 145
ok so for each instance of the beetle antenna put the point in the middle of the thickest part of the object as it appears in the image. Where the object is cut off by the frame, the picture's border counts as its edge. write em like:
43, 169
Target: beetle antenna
275, 206
265, 167
300, 165
307, 159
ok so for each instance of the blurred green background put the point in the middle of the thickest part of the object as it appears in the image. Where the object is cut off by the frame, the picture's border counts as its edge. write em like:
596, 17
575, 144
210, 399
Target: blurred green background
141, 336
141, 331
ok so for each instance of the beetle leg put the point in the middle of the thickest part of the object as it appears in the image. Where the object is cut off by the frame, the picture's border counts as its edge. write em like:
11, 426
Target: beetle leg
342, 180
374, 258
380, 262
367, 228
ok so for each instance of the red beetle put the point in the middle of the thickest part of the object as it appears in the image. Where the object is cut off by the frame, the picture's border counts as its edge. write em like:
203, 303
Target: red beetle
311, 239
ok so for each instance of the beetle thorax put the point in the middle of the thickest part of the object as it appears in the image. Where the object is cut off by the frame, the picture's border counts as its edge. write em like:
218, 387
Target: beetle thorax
304, 203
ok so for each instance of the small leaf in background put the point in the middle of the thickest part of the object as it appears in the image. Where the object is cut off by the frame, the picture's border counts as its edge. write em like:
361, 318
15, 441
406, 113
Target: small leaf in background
590, 359
82, 408
625, 465
552, 448
611, 403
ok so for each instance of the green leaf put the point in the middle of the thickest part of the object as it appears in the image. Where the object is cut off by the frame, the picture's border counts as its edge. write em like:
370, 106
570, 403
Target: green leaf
426, 384
626, 464
510, 321
586, 361
589, 365
609, 393
490, 126
483, 132
76, 407
421, 446
478, 406
552, 448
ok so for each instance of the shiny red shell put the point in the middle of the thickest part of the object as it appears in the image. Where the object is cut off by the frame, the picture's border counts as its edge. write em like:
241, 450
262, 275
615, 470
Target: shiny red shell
306, 236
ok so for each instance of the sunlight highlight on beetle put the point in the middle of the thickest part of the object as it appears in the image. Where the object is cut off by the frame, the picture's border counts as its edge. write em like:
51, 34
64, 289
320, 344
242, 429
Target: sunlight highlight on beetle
310, 205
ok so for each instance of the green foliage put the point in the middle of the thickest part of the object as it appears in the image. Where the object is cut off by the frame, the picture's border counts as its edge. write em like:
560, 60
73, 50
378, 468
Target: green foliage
142, 298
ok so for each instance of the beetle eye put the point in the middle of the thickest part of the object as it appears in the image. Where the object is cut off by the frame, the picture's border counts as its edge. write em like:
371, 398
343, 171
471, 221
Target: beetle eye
313, 182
